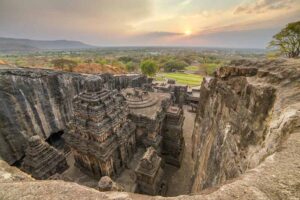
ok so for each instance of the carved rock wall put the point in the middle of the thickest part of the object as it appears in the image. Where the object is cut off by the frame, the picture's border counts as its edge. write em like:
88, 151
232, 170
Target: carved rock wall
245, 113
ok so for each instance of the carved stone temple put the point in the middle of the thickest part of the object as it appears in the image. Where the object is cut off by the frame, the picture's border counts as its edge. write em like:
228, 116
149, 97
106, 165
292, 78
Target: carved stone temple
42, 160
101, 137
159, 123
149, 173
111, 131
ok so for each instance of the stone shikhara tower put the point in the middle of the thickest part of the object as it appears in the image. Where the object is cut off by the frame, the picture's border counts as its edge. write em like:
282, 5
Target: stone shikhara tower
101, 137
150, 174
43, 160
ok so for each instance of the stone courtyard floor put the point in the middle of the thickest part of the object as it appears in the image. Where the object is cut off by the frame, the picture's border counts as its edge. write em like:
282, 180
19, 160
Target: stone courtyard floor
73, 174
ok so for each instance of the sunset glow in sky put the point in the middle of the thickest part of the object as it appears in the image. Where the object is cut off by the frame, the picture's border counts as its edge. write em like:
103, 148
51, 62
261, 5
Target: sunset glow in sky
222, 23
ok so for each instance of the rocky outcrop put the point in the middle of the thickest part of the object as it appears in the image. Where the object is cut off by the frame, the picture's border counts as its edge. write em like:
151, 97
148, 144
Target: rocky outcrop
10, 174
106, 184
39, 102
276, 178
245, 113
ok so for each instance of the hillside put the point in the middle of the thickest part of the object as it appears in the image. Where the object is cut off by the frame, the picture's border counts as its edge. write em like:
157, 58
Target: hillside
8, 45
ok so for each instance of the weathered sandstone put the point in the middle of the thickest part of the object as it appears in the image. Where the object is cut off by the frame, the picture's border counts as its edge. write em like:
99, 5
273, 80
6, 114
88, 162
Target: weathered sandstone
244, 115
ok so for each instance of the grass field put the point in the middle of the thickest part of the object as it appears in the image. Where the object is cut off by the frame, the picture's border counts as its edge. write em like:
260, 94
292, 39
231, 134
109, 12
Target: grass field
209, 68
192, 68
182, 78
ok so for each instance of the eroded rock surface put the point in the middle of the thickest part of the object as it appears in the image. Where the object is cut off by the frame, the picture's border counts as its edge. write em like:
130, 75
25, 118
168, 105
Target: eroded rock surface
245, 112
106, 184
274, 179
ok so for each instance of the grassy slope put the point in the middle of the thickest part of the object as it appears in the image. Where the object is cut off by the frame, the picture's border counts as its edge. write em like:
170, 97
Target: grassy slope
182, 78
192, 68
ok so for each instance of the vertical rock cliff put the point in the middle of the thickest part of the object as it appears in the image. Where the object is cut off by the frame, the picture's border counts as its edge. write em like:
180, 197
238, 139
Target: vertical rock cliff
39, 102
33, 103
245, 112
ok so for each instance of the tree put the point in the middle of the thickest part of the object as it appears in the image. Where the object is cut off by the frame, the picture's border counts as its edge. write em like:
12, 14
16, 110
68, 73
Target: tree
148, 67
130, 66
62, 63
126, 59
101, 61
288, 40
173, 65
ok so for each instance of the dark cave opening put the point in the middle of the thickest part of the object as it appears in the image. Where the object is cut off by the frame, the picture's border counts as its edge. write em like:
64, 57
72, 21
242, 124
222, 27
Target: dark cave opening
57, 141
19, 162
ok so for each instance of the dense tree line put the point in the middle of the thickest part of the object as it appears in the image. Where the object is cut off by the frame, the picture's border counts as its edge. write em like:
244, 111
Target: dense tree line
288, 40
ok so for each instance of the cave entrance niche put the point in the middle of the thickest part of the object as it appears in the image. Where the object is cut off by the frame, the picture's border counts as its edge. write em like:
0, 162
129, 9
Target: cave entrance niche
57, 141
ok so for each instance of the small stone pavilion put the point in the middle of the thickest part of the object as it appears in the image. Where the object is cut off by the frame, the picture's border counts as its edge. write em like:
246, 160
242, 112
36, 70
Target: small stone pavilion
42, 160
101, 137
149, 173
147, 111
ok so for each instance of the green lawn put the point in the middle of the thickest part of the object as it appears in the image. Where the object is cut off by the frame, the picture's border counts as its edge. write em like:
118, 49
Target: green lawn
192, 68
182, 78
208, 67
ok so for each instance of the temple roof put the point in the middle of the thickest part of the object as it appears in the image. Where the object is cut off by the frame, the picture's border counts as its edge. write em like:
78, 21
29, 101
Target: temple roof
150, 105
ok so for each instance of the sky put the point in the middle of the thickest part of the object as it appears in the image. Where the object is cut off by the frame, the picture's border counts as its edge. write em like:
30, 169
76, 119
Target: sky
209, 23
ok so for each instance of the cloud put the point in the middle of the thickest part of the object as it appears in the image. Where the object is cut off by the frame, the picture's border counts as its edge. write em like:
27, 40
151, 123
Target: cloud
161, 34
70, 18
186, 2
262, 6
257, 38
140, 22
159, 38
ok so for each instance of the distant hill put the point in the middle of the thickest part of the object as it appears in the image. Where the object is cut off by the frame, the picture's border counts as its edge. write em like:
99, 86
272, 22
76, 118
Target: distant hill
16, 45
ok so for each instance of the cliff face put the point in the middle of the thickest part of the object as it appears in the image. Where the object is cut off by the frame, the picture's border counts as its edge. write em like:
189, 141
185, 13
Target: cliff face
39, 102
245, 112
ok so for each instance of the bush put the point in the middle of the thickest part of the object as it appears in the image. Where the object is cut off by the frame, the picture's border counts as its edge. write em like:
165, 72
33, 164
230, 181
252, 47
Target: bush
64, 64
149, 67
174, 65
130, 66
